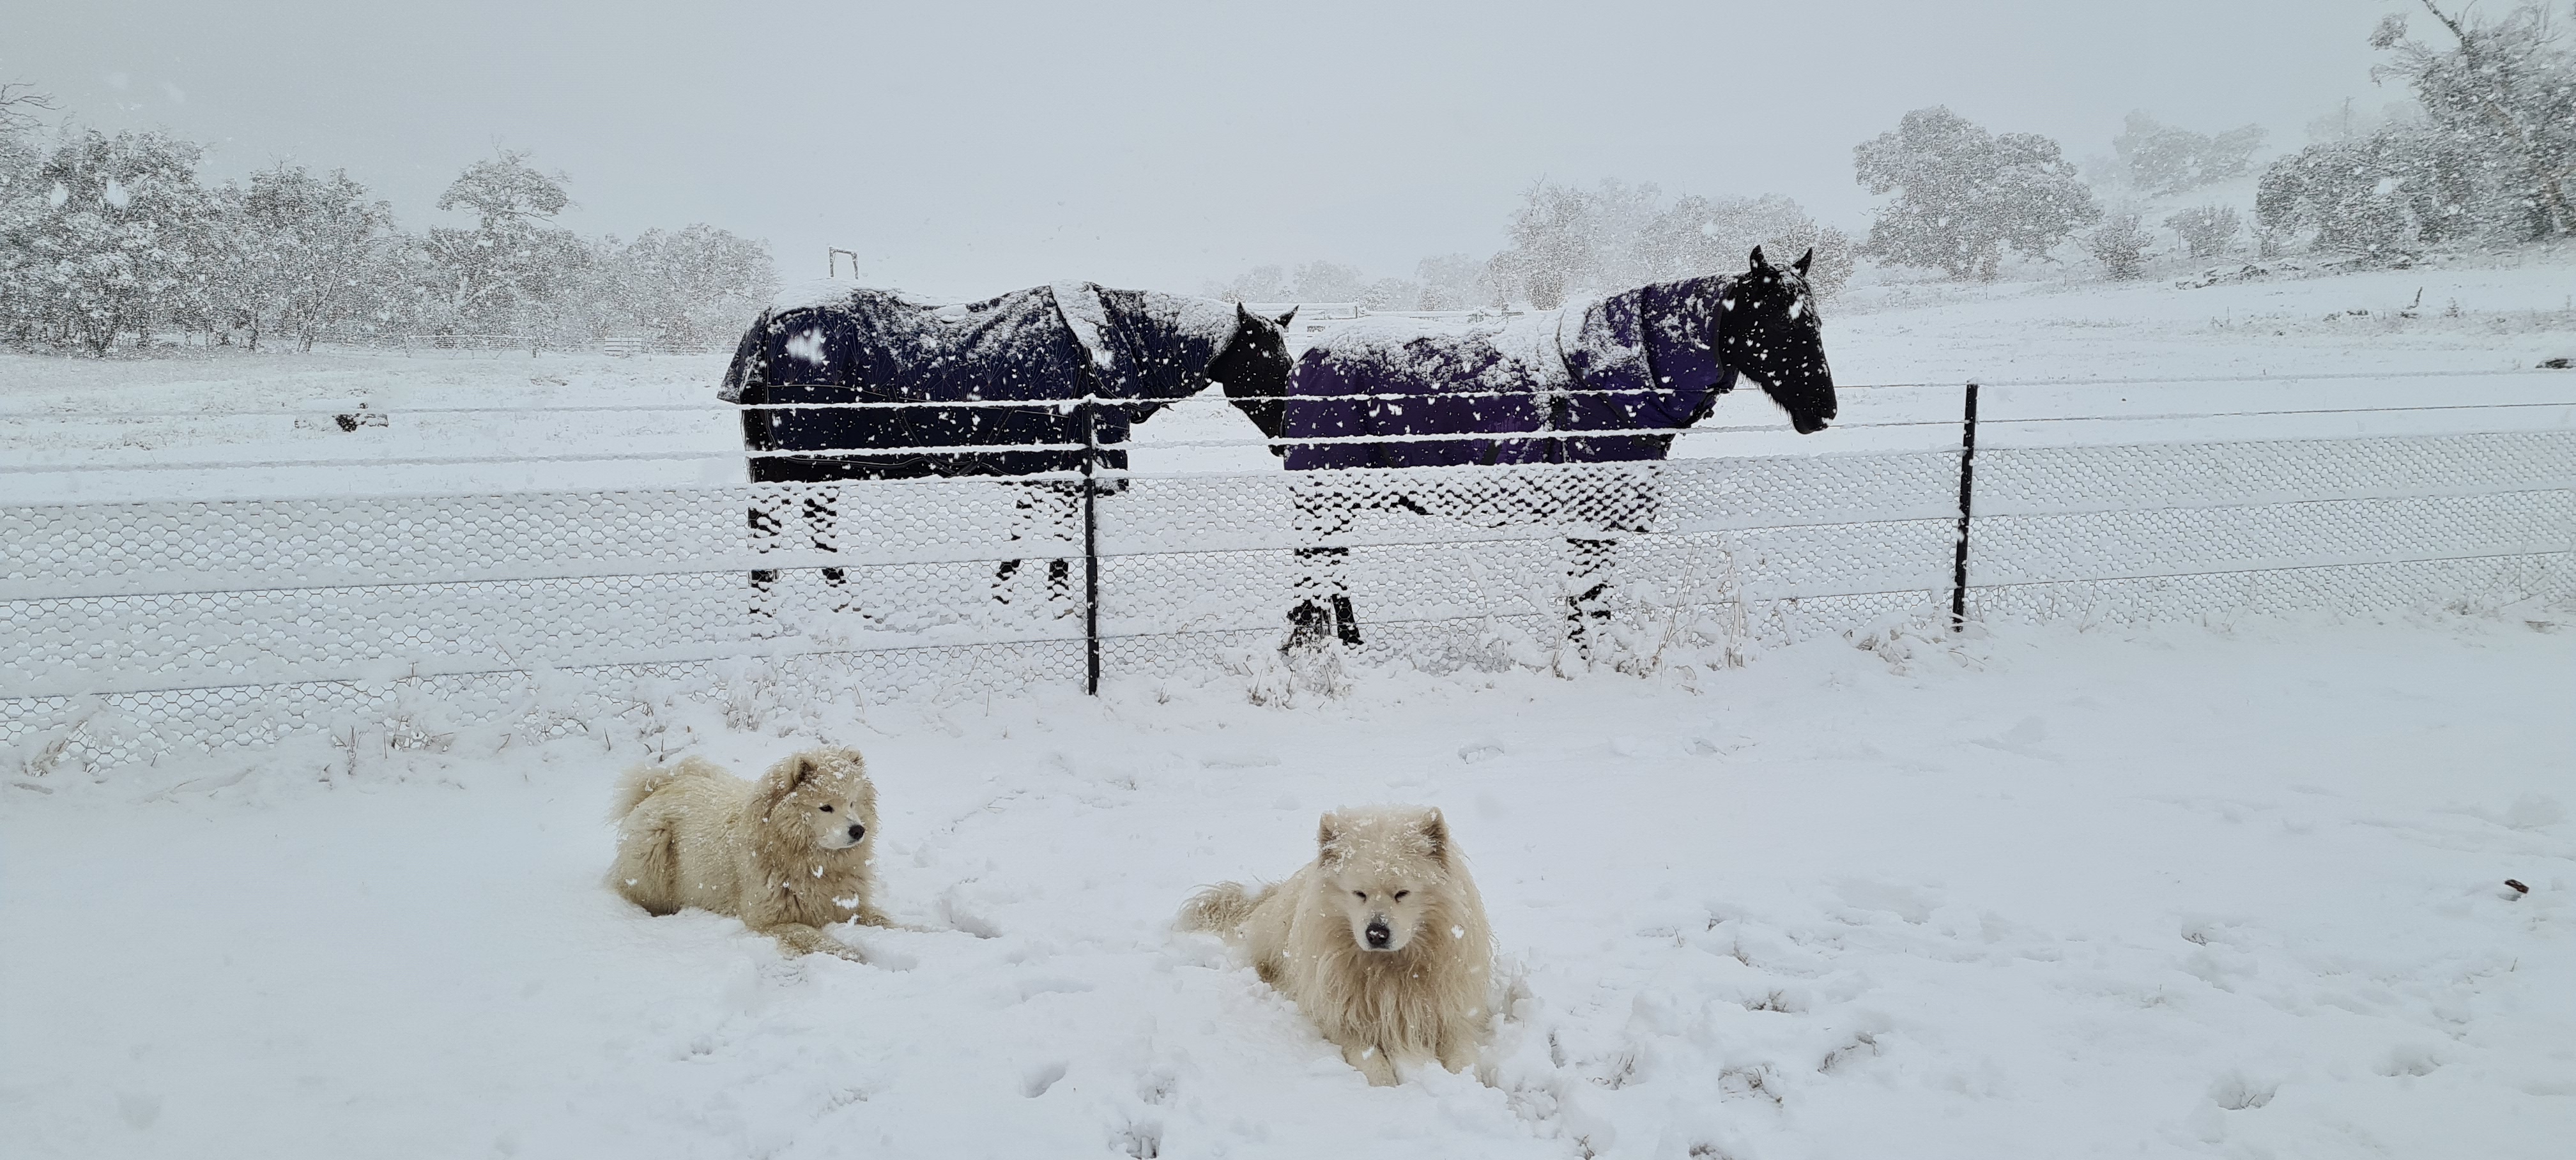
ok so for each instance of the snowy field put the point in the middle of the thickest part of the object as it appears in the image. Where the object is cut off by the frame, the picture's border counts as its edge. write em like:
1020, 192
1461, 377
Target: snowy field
2230, 889
2051, 893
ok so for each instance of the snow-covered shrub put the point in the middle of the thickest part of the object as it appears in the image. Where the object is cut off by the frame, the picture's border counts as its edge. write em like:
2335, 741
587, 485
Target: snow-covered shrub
2206, 230
1963, 195
2120, 244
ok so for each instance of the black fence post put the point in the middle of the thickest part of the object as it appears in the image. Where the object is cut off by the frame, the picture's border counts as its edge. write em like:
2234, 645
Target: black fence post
1090, 545
1967, 493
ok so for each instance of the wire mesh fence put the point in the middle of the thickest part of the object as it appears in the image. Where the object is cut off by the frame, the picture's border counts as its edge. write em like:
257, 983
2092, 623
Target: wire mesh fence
132, 629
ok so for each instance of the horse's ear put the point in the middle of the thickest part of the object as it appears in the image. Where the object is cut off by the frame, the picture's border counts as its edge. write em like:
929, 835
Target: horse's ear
1803, 259
1283, 319
1759, 262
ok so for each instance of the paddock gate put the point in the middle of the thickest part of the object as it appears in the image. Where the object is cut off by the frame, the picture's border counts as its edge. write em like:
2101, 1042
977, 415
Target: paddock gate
134, 629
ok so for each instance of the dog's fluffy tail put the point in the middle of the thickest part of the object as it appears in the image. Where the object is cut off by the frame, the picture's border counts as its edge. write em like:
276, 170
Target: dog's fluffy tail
642, 781
1221, 908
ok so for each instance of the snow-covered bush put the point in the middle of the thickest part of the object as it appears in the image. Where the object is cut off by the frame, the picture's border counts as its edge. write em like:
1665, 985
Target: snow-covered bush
1963, 195
2206, 230
2120, 244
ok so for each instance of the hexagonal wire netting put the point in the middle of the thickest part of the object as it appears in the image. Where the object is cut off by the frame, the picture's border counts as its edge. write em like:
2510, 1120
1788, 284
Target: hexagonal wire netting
132, 629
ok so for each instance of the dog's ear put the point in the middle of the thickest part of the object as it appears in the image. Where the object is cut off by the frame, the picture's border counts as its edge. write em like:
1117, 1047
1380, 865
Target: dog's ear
1435, 830
1328, 832
783, 778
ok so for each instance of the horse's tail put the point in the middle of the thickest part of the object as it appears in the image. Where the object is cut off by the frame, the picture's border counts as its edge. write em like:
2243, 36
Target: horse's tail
1221, 908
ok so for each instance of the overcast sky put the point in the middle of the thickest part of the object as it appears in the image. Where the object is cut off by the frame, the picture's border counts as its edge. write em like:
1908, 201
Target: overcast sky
969, 148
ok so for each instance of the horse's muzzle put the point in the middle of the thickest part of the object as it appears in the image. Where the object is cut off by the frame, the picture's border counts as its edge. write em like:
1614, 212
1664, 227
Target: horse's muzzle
1807, 424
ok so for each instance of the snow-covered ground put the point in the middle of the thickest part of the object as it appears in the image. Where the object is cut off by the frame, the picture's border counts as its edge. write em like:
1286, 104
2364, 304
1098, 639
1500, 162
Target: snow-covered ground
2231, 890
2185, 892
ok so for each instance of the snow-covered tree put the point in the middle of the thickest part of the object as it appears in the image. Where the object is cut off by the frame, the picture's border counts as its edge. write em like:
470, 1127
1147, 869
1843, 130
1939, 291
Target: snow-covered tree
2120, 244
1259, 284
2206, 230
1616, 235
105, 236
1321, 281
2504, 90
2162, 159
698, 284
1449, 282
2382, 197
1963, 195
514, 269
300, 253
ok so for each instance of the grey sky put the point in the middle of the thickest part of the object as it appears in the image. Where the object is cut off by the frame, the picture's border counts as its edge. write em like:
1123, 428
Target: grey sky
976, 147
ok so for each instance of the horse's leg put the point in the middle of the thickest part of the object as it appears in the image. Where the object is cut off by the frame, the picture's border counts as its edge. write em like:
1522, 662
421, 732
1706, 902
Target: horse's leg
1322, 588
765, 527
1024, 516
823, 527
1589, 606
1064, 521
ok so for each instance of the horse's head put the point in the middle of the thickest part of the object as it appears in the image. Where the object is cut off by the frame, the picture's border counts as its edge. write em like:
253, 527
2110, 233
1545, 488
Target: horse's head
1254, 368
1767, 329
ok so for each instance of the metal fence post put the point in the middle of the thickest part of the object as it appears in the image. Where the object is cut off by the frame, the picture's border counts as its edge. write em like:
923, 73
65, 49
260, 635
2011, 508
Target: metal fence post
1090, 544
1967, 492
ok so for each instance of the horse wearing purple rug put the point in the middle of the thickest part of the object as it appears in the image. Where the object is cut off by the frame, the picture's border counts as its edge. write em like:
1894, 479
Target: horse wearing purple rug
1612, 382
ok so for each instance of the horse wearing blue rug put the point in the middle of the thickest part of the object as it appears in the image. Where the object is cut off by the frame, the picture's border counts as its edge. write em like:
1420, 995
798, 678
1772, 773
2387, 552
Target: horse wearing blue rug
990, 388
1611, 382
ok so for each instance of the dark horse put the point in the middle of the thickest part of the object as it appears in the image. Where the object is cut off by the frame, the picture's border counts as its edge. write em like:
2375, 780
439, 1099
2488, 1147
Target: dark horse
1610, 383
950, 381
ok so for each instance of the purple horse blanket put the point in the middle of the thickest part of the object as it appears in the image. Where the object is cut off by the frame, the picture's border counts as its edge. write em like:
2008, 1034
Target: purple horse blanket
1525, 390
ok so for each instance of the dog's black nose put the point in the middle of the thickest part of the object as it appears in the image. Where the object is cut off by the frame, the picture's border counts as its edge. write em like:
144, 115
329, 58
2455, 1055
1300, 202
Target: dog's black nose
1379, 935
857, 831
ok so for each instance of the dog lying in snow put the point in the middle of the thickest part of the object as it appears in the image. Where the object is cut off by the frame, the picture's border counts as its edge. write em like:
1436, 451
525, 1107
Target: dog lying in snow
1381, 940
788, 854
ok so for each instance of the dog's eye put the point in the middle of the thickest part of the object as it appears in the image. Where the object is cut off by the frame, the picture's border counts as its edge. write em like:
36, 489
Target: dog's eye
1399, 895
1362, 893
827, 809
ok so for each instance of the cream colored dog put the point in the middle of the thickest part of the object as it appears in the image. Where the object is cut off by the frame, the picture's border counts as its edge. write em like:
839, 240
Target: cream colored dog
1381, 940
787, 855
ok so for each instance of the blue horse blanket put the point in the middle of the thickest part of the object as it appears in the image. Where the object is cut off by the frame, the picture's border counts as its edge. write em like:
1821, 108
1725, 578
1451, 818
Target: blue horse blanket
1519, 391
1046, 347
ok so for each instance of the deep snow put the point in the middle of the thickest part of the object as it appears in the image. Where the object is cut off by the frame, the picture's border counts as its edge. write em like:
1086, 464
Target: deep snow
2230, 891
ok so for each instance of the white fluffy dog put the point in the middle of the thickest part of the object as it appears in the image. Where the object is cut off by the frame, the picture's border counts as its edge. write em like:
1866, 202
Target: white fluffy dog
788, 854
1381, 940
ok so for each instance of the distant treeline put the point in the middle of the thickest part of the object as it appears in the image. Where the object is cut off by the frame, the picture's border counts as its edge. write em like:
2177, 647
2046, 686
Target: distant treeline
116, 238
2482, 156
